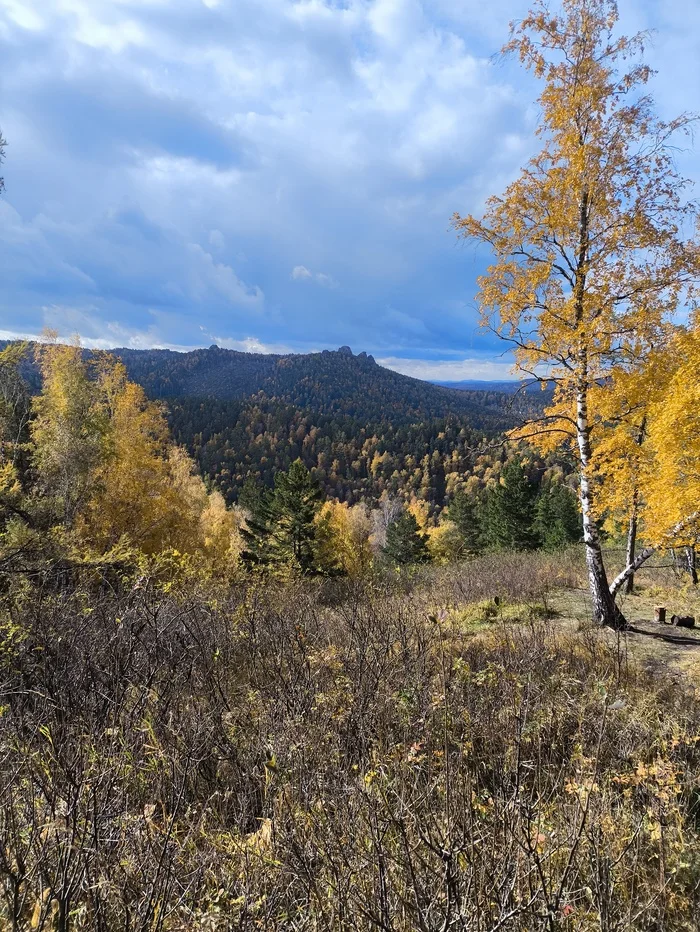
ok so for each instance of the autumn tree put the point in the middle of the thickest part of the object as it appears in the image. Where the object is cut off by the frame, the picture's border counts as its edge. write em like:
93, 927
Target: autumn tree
69, 430
342, 539
671, 506
132, 496
622, 462
589, 244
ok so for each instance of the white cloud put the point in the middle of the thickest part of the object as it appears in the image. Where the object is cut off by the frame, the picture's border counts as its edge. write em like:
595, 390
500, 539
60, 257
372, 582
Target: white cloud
206, 273
345, 132
94, 333
301, 274
253, 345
327, 281
451, 370
216, 239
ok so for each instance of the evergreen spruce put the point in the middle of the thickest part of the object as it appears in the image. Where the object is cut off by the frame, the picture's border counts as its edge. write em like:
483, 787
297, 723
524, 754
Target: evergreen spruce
508, 515
405, 543
463, 514
281, 530
557, 517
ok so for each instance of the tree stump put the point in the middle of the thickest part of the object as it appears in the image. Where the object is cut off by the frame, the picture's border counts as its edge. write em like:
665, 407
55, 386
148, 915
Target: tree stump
683, 621
660, 614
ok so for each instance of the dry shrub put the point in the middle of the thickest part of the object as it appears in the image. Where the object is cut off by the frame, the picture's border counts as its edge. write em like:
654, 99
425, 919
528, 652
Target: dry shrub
304, 757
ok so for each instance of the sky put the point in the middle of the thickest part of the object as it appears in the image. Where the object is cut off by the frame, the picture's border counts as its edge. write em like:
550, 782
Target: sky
272, 175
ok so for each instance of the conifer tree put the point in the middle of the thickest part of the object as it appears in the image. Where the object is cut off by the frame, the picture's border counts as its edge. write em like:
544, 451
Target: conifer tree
557, 517
463, 514
15, 412
508, 515
282, 530
405, 542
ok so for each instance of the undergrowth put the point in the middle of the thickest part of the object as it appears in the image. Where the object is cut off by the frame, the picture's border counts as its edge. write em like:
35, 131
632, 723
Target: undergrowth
352, 758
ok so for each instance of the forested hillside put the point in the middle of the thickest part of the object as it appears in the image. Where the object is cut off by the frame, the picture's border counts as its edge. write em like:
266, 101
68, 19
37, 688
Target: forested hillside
352, 459
361, 429
327, 383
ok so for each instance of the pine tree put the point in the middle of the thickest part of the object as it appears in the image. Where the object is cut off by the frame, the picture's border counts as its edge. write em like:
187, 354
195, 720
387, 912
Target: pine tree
463, 514
250, 494
405, 543
257, 530
557, 517
508, 515
281, 531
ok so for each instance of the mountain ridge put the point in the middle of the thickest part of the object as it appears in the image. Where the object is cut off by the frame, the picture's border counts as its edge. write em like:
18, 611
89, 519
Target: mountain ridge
329, 383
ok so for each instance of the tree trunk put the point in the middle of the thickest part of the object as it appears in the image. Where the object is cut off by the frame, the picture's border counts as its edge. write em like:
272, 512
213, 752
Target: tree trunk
648, 552
640, 559
692, 564
605, 610
631, 543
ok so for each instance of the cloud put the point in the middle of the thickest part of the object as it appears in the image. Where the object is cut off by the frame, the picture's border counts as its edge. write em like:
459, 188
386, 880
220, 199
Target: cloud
253, 345
174, 159
301, 274
327, 281
84, 323
216, 239
451, 370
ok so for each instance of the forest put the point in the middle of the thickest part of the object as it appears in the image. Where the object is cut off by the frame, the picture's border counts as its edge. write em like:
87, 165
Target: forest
297, 643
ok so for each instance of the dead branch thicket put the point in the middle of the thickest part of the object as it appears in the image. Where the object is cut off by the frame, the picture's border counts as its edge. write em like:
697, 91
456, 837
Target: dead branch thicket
337, 756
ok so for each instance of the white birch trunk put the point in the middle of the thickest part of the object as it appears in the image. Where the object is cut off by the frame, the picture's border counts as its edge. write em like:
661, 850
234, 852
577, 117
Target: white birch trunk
604, 608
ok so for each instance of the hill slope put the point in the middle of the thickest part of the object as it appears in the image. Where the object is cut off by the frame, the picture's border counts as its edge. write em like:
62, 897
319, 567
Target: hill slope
327, 383
361, 429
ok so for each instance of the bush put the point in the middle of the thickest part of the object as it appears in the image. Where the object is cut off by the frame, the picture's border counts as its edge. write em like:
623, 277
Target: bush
342, 755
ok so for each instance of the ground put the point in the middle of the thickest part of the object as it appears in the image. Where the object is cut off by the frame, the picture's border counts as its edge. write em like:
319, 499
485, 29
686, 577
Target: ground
675, 651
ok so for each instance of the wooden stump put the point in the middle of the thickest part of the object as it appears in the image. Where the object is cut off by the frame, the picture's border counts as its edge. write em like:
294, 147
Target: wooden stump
683, 621
660, 614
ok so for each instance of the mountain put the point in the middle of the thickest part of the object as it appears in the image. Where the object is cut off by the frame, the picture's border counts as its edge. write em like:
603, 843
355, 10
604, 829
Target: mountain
509, 387
361, 429
329, 383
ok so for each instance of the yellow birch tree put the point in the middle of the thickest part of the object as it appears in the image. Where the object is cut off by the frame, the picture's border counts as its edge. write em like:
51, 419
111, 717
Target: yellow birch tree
590, 252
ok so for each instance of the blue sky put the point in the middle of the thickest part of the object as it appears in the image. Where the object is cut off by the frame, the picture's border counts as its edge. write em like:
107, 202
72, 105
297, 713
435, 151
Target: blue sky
271, 174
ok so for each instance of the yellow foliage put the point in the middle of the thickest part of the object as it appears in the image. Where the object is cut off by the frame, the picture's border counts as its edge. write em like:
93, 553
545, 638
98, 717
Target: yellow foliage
134, 496
69, 429
104, 450
590, 262
672, 507
420, 511
343, 538
445, 543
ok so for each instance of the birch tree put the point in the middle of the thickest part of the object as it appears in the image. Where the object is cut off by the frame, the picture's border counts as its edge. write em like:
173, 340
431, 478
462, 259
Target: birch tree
593, 242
